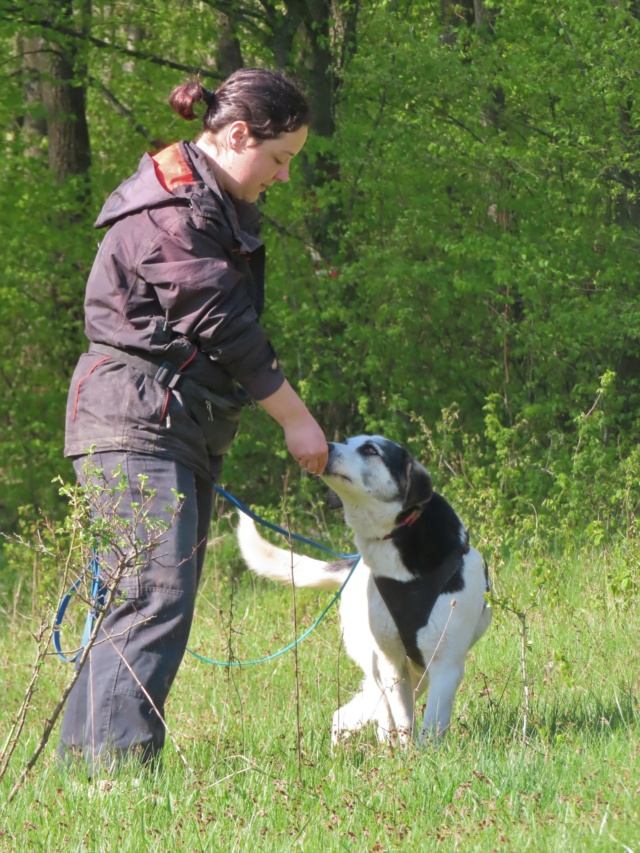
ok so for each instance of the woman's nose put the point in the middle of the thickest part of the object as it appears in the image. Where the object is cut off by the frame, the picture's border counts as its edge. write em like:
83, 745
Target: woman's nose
282, 174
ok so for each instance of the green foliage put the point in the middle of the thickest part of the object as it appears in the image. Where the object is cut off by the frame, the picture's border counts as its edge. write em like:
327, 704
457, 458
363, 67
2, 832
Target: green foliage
455, 267
40, 334
461, 253
486, 258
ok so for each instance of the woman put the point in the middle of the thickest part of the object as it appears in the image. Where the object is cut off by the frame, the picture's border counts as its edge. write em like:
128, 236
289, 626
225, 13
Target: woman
172, 312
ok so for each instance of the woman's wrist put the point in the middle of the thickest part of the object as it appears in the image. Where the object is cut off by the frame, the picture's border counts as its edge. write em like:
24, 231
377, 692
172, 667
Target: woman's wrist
305, 438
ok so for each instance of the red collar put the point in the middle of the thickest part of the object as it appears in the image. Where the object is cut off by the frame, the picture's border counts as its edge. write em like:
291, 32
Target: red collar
413, 516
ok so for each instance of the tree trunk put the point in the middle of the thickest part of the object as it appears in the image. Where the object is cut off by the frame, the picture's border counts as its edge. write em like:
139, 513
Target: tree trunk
34, 123
64, 101
228, 52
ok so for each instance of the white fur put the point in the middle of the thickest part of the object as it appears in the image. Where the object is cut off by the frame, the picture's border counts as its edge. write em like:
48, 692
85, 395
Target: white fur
392, 681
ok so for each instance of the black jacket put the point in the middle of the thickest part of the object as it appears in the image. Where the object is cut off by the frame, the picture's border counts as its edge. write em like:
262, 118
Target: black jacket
179, 275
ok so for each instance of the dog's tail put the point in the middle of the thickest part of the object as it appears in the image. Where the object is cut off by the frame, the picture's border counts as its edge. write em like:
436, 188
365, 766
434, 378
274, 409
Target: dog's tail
280, 564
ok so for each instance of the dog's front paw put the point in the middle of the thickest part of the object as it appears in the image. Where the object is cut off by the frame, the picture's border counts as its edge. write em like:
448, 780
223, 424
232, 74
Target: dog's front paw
347, 720
396, 737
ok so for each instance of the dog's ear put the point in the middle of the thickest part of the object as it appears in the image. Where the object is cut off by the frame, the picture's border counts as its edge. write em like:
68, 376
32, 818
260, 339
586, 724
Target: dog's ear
333, 500
419, 486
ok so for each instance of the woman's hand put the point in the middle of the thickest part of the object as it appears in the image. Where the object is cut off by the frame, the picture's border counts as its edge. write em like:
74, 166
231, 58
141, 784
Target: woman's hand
305, 439
307, 444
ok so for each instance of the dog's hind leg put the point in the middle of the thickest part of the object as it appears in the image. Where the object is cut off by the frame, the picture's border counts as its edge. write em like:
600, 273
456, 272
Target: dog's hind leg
444, 680
367, 706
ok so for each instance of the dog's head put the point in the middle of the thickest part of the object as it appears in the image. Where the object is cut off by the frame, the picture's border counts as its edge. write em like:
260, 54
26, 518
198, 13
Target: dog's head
376, 476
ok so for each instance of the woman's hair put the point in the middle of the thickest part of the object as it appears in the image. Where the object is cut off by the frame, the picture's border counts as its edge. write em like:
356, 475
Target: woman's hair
269, 102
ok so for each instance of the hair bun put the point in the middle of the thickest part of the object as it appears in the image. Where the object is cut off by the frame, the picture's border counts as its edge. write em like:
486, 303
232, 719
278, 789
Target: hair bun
267, 101
185, 96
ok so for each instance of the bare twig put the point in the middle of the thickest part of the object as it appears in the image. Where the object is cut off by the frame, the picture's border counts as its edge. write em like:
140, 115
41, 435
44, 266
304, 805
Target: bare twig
231, 666
93, 512
522, 617
523, 663
126, 113
295, 634
19, 720
51, 721
48, 25
416, 690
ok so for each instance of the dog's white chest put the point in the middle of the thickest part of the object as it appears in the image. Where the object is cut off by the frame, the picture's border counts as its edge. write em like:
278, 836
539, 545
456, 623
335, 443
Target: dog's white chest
365, 620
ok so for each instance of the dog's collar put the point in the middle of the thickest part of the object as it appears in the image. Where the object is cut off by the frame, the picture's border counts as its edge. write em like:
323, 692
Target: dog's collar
407, 521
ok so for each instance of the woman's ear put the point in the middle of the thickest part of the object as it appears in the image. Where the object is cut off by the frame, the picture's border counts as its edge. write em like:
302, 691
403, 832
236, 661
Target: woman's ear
238, 136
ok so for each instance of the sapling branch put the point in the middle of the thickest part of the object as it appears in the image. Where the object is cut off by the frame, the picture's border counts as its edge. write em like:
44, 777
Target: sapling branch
52, 719
435, 651
93, 523
295, 649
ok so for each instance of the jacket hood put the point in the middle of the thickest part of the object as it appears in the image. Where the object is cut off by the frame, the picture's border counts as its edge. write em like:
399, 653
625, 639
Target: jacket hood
139, 192
181, 173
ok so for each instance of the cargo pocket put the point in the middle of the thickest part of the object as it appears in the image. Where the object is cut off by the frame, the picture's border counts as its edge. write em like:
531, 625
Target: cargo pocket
129, 590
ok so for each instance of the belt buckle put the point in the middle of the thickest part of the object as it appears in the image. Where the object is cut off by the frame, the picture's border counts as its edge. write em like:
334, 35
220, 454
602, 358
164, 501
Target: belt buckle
167, 375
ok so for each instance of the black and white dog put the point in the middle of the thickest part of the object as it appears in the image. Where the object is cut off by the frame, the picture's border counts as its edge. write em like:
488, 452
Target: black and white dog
416, 601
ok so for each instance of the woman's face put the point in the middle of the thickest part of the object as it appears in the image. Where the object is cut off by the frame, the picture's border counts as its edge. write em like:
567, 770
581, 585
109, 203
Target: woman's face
247, 166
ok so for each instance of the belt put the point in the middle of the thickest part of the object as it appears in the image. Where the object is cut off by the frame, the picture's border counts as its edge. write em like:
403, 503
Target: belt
169, 376
165, 373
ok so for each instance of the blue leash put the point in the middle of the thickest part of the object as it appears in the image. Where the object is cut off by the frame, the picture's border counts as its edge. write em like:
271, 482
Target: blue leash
245, 509
287, 533
291, 645
99, 592
96, 600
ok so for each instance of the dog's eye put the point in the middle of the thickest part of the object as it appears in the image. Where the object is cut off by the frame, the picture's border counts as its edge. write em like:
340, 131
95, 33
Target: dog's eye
369, 450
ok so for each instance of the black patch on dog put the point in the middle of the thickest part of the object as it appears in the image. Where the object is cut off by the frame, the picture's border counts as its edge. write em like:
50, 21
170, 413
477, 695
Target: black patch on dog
394, 456
410, 602
396, 460
438, 532
419, 488
333, 500
413, 481
432, 549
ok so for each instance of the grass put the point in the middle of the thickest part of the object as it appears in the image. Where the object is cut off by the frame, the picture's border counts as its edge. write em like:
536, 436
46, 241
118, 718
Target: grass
262, 774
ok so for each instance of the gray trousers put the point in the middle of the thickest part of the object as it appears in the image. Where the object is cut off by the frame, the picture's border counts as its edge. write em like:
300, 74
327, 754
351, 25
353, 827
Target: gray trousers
116, 708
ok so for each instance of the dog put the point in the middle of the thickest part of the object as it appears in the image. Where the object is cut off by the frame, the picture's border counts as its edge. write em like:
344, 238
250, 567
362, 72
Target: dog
416, 602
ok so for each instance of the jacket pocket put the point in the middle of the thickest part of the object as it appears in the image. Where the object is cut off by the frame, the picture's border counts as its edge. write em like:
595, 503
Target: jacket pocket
218, 417
109, 403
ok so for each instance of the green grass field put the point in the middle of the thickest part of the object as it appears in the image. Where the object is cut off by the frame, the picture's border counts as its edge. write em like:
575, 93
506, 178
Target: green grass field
261, 772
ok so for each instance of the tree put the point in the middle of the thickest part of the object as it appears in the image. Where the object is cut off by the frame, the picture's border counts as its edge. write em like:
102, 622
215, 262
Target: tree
461, 234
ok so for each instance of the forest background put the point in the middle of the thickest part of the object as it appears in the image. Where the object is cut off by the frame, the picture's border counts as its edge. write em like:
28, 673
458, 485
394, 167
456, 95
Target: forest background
454, 265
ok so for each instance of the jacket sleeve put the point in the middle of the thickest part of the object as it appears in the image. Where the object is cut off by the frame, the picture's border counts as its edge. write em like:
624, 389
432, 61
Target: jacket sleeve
206, 299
